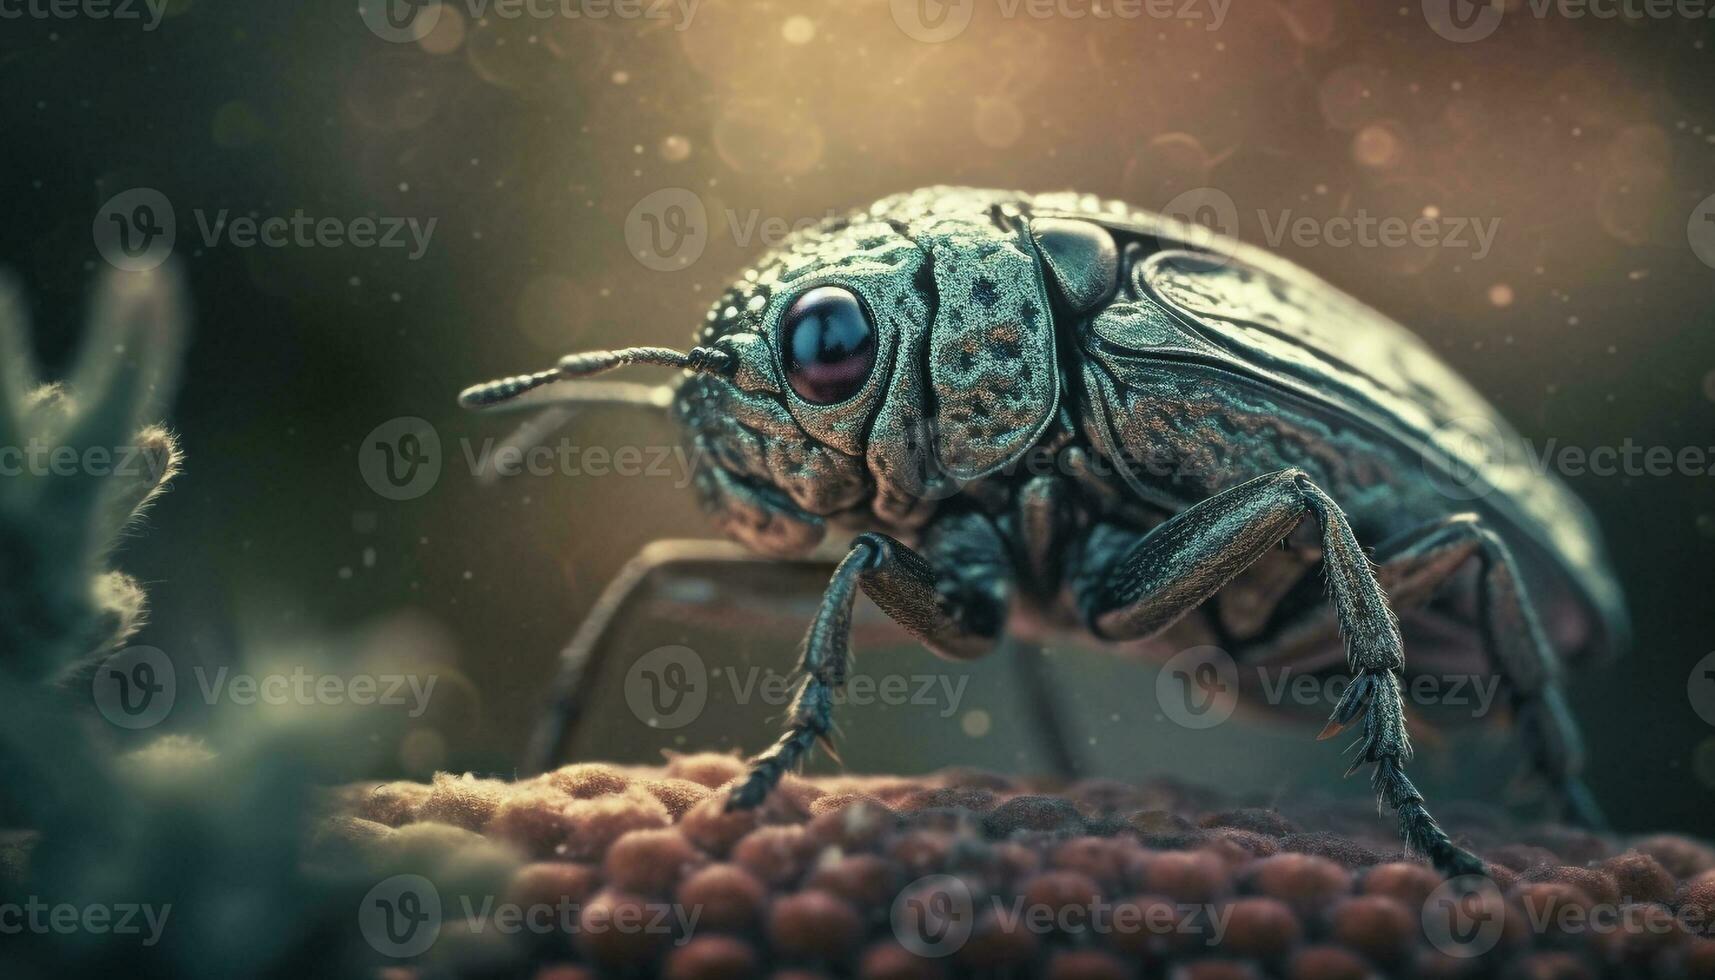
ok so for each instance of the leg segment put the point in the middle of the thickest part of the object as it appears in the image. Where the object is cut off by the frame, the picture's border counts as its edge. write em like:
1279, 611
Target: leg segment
1424, 559
955, 605
656, 567
1046, 703
1135, 591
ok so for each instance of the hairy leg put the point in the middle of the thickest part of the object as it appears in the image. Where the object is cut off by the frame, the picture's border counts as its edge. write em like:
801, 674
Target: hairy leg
1133, 589
1515, 641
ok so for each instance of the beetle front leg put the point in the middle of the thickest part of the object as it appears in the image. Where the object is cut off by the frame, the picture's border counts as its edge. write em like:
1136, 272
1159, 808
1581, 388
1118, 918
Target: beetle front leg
649, 575
1136, 591
956, 606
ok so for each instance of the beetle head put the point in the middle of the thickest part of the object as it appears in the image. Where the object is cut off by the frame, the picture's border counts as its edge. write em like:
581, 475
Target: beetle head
860, 373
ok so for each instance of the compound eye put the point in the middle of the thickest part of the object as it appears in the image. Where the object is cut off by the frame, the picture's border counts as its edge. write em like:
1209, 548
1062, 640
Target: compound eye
827, 343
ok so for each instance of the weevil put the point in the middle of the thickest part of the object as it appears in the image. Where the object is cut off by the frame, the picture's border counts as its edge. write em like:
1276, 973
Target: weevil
1051, 414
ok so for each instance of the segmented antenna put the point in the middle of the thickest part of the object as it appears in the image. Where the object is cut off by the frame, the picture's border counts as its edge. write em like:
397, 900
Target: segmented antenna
572, 366
505, 389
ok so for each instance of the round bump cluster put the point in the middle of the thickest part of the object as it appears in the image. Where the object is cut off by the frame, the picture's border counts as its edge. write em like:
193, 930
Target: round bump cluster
1097, 880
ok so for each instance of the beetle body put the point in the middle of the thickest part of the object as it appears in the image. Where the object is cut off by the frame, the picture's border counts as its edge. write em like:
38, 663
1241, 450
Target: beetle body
1058, 415
1145, 363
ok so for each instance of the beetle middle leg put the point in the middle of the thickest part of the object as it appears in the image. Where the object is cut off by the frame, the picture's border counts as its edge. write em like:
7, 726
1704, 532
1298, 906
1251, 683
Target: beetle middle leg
1045, 702
953, 598
1132, 588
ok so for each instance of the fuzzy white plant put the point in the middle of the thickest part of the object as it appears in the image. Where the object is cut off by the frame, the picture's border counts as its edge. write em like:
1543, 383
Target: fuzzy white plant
79, 463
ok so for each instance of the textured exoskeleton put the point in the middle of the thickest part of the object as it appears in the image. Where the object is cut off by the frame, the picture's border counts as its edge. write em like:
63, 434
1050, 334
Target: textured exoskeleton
1065, 415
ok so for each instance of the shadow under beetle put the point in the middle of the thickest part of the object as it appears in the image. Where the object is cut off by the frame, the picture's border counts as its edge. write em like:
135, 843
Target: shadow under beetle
1052, 414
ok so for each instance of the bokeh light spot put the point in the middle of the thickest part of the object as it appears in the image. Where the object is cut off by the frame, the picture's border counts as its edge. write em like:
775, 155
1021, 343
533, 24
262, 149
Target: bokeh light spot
798, 30
976, 723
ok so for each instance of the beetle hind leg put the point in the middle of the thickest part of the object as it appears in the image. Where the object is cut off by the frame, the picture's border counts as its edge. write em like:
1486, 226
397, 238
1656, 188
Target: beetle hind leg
1514, 639
1045, 702
1133, 588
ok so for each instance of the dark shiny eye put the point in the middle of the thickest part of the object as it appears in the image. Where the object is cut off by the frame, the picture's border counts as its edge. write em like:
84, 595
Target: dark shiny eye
827, 343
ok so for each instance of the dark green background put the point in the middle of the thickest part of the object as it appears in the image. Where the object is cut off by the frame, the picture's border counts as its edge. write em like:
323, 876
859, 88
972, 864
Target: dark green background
1590, 141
